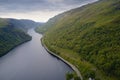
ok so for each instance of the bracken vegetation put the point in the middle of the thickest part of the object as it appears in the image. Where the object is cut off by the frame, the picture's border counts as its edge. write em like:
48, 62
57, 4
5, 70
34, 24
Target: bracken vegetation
88, 37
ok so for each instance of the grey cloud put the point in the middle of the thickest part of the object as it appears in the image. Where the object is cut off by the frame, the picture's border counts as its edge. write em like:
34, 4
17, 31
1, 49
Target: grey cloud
38, 5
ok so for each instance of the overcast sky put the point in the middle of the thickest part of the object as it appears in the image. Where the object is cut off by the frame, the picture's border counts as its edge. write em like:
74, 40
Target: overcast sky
38, 10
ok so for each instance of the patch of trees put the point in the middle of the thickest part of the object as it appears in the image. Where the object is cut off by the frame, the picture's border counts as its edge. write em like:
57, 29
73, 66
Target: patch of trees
92, 31
10, 37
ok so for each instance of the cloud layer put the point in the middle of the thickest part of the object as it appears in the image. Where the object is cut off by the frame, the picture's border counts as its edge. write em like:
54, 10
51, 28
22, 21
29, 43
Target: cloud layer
9, 7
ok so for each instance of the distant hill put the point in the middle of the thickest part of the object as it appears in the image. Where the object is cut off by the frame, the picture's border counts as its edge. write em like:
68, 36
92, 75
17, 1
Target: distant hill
88, 37
14, 32
24, 24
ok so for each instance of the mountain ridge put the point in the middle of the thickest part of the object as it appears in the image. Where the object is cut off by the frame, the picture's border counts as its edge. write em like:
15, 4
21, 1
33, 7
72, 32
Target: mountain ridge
92, 33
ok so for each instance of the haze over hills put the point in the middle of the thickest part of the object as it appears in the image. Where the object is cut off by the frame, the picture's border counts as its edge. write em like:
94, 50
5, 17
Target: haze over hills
88, 37
23, 24
14, 32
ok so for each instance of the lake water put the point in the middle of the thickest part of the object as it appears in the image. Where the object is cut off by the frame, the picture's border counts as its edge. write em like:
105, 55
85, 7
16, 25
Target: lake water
30, 61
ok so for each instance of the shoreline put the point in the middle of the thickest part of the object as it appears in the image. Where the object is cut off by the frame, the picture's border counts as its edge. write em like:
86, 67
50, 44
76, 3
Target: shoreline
65, 61
6, 52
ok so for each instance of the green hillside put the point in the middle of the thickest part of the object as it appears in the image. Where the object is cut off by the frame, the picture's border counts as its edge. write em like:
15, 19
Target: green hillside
3, 22
88, 37
10, 36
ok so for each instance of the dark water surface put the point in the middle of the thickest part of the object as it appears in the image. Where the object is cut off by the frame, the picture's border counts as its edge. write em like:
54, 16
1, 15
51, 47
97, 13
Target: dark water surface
30, 61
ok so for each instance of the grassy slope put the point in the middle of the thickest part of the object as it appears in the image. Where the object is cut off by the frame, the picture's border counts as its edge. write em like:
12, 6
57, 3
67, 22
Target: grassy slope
89, 37
10, 36
3, 22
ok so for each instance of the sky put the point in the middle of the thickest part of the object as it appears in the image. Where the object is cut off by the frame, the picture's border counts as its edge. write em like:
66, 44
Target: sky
37, 10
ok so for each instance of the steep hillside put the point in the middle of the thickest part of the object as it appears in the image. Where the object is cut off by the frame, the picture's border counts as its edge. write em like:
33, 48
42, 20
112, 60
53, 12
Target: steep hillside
42, 29
88, 37
10, 36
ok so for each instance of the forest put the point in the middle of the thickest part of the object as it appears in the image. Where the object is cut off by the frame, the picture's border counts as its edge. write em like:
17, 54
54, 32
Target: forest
10, 36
